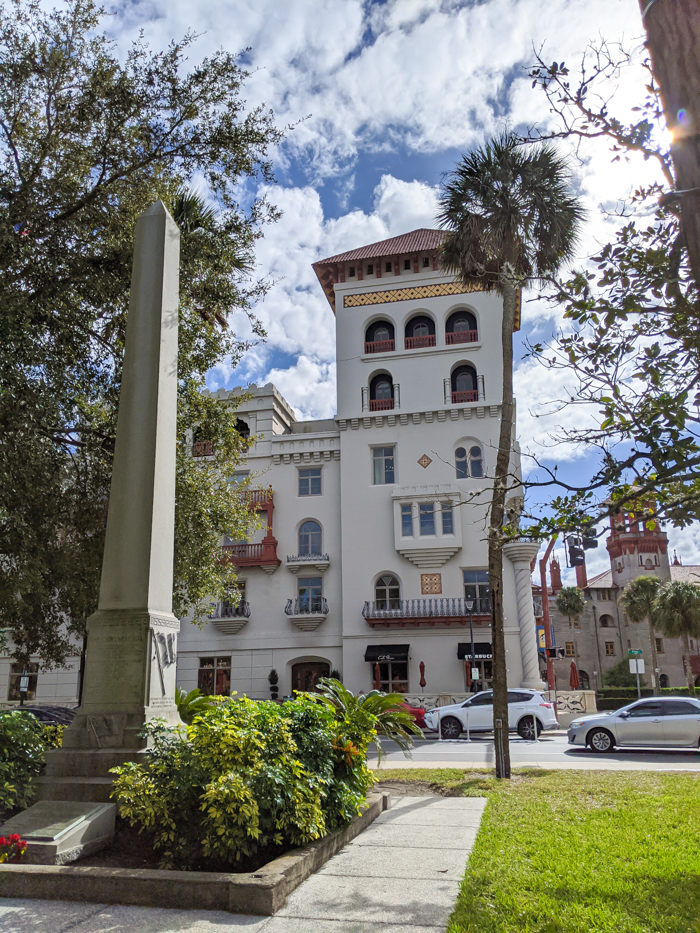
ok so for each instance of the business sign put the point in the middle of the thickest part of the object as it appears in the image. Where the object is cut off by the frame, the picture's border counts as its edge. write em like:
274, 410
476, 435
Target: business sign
541, 643
636, 665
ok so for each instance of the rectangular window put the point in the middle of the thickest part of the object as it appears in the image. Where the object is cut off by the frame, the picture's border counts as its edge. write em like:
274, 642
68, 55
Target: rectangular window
387, 267
660, 646
383, 465
476, 587
215, 676
447, 525
351, 271
426, 262
407, 265
427, 518
570, 650
238, 478
370, 268
19, 671
393, 676
407, 521
310, 482
309, 591
609, 649
629, 644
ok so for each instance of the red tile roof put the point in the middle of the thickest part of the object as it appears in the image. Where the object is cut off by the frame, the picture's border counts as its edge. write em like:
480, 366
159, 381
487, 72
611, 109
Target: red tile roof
417, 241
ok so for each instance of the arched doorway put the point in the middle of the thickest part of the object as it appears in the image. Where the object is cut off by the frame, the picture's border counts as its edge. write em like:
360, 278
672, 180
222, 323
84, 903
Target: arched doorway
306, 674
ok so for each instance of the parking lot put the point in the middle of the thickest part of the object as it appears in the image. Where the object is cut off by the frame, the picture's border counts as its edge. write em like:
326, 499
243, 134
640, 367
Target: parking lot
550, 751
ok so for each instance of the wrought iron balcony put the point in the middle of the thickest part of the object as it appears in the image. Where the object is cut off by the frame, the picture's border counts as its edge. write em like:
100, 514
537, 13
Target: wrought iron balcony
431, 611
297, 562
307, 612
229, 619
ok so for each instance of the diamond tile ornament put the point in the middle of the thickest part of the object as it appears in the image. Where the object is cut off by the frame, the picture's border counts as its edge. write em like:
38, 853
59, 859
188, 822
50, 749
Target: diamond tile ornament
425, 461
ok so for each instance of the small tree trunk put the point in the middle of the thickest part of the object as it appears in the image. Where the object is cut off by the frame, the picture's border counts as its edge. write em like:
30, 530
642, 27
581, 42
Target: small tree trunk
688, 666
498, 502
654, 661
673, 29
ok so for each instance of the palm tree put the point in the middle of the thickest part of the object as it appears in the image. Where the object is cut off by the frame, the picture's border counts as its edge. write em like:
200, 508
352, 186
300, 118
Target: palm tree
510, 219
639, 602
678, 616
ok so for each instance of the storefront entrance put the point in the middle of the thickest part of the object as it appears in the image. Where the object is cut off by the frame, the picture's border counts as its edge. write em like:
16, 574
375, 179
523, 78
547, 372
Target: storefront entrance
481, 661
307, 674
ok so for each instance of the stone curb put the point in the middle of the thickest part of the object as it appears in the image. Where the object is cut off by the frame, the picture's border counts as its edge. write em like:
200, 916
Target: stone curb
262, 893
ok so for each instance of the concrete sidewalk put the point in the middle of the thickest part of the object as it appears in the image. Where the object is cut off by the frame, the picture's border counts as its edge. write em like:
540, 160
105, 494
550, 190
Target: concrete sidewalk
401, 874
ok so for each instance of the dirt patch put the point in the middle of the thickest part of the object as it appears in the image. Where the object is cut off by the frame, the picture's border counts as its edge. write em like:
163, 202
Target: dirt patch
128, 850
412, 789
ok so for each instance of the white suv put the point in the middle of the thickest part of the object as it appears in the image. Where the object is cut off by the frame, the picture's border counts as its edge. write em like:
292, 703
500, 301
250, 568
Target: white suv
525, 707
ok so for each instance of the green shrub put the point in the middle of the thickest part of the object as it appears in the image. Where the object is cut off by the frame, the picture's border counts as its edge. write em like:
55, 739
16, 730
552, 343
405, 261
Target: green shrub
249, 779
21, 759
53, 735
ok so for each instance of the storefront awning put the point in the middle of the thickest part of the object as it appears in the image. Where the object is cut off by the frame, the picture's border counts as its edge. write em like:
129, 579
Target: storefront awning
376, 653
482, 650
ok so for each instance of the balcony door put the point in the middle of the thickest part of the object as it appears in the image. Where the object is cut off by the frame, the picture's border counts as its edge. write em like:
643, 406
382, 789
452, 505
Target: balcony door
307, 674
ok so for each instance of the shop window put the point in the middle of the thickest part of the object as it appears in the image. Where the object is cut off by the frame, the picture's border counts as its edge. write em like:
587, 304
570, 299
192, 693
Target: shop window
387, 592
215, 676
393, 676
17, 672
310, 482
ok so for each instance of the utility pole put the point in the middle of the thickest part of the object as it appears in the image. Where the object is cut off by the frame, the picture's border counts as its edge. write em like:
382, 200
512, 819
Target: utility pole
673, 31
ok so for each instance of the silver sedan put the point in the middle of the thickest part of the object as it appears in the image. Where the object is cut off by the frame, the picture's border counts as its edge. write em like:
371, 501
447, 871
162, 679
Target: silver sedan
658, 721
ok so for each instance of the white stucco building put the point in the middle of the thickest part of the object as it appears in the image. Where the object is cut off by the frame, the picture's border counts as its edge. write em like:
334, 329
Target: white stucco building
374, 521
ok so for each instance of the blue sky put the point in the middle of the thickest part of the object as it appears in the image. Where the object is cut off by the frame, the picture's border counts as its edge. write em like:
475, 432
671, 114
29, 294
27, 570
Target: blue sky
388, 95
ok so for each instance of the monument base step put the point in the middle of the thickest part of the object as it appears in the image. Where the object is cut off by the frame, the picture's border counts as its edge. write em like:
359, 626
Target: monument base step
61, 831
83, 789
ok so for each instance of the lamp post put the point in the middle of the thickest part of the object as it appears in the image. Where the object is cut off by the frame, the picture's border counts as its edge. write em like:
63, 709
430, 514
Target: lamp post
469, 603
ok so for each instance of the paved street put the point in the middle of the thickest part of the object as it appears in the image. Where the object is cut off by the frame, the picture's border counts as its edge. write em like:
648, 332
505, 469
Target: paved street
551, 751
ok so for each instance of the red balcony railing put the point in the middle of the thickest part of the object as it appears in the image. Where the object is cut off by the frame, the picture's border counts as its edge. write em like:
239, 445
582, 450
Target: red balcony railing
462, 336
202, 449
263, 554
258, 498
415, 343
381, 404
379, 346
471, 396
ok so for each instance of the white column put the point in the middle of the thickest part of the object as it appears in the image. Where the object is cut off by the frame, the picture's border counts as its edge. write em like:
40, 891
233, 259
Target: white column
132, 638
520, 554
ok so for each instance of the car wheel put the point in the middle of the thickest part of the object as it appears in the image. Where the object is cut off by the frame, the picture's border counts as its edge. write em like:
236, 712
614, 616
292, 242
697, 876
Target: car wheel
526, 729
601, 740
450, 727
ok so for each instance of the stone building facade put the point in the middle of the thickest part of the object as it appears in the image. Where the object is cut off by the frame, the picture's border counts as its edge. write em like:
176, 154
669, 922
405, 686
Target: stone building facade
602, 635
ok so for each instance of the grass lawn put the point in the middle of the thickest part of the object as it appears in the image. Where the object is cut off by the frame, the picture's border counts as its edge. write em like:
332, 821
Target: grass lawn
578, 852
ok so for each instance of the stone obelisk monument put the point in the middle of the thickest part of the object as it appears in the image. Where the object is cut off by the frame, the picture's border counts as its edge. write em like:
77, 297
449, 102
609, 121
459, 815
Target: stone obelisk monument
132, 638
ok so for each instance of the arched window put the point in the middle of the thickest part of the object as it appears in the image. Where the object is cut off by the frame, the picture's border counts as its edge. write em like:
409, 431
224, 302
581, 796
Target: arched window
379, 337
387, 592
420, 332
243, 428
464, 385
461, 328
664, 681
469, 463
310, 538
606, 621
584, 680
381, 393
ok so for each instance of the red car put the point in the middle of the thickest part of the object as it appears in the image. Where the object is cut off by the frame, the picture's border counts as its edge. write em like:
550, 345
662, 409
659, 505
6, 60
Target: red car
417, 712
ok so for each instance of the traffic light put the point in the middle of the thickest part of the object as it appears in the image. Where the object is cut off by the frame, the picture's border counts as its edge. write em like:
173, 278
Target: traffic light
576, 555
554, 653
589, 540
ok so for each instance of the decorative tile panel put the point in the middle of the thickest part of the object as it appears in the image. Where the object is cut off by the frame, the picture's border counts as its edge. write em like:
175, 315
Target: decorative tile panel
431, 583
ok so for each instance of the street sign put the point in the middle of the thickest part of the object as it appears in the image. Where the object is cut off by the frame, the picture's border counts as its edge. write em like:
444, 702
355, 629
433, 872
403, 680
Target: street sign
636, 665
24, 684
635, 652
476, 673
